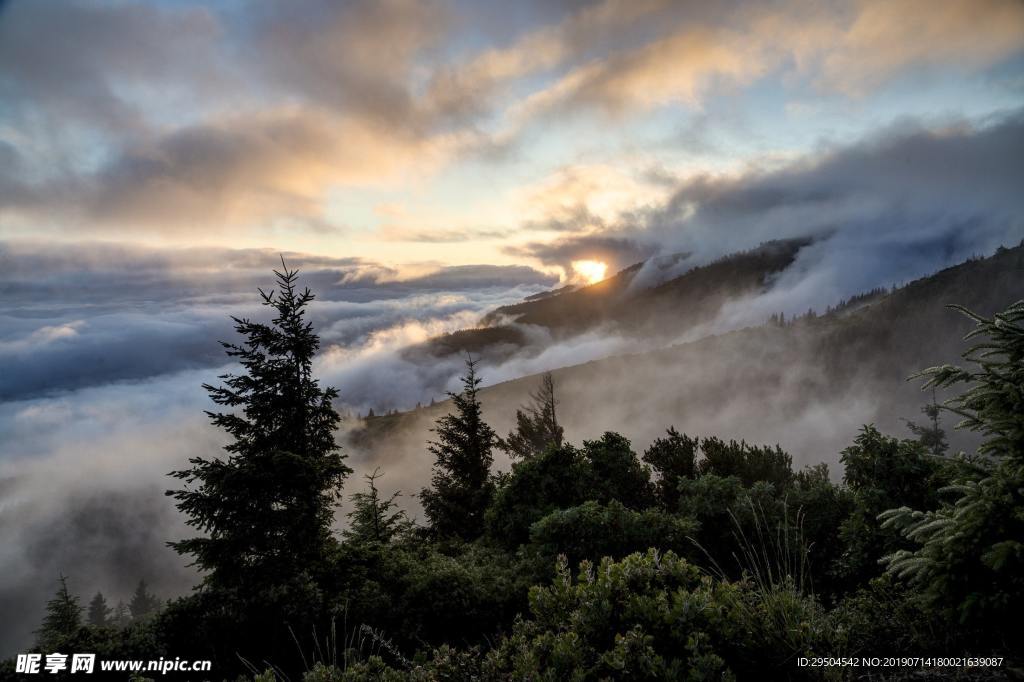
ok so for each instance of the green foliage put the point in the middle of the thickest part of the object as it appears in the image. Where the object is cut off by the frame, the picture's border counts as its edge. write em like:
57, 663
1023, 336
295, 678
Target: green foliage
418, 595
882, 618
461, 483
62, 620
820, 508
266, 510
593, 530
554, 479
603, 470
716, 504
615, 472
537, 427
749, 463
654, 617
993, 403
673, 459
967, 559
374, 518
881, 472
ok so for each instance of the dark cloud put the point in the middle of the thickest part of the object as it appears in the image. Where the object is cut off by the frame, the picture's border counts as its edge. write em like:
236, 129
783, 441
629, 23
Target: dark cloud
618, 252
355, 56
74, 61
459, 277
577, 218
895, 206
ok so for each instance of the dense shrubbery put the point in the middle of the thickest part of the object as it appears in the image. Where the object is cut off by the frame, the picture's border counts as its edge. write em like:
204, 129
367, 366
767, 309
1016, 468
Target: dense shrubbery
704, 559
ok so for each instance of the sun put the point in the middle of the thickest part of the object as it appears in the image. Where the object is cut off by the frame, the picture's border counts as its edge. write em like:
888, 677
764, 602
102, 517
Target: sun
592, 271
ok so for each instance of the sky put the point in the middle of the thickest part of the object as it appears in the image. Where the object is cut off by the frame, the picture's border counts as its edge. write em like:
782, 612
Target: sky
423, 163
425, 134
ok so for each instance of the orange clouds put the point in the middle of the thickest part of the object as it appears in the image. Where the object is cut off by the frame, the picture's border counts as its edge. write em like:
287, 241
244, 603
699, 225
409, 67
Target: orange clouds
292, 105
888, 36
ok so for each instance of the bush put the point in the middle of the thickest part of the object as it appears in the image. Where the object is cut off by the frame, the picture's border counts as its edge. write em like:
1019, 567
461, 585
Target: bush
652, 616
555, 479
592, 531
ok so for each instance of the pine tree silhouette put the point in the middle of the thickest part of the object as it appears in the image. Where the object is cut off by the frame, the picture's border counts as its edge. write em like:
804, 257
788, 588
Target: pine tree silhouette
62, 620
462, 485
99, 612
266, 510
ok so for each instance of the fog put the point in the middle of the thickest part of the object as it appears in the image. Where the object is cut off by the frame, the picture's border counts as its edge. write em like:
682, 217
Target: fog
104, 349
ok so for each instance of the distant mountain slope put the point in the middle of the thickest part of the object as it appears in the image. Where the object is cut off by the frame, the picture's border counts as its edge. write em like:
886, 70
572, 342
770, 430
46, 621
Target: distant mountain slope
668, 308
698, 292
808, 385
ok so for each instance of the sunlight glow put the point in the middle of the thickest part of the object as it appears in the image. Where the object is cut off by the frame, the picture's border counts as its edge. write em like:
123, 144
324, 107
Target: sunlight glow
592, 271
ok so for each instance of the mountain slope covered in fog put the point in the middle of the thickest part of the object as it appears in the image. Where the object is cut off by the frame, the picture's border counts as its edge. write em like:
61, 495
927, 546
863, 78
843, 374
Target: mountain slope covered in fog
646, 299
808, 384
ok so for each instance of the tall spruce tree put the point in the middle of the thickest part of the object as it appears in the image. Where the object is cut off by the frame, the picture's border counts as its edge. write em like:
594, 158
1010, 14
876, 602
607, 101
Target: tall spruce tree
99, 612
462, 484
267, 508
537, 427
62, 620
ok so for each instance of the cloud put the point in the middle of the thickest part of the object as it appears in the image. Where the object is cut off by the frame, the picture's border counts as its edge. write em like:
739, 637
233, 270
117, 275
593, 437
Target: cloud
616, 251
99, 313
585, 197
847, 49
66, 62
438, 236
908, 182
358, 57
963, 34
247, 120
270, 169
676, 69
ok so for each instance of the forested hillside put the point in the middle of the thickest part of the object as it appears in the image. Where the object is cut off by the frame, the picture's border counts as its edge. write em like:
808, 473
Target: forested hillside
700, 555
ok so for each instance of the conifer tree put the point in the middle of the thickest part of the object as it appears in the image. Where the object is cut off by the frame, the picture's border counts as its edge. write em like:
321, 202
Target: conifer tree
62, 620
968, 562
931, 435
537, 426
143, 603
462, 485
99, 612
374, 518
266, 509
